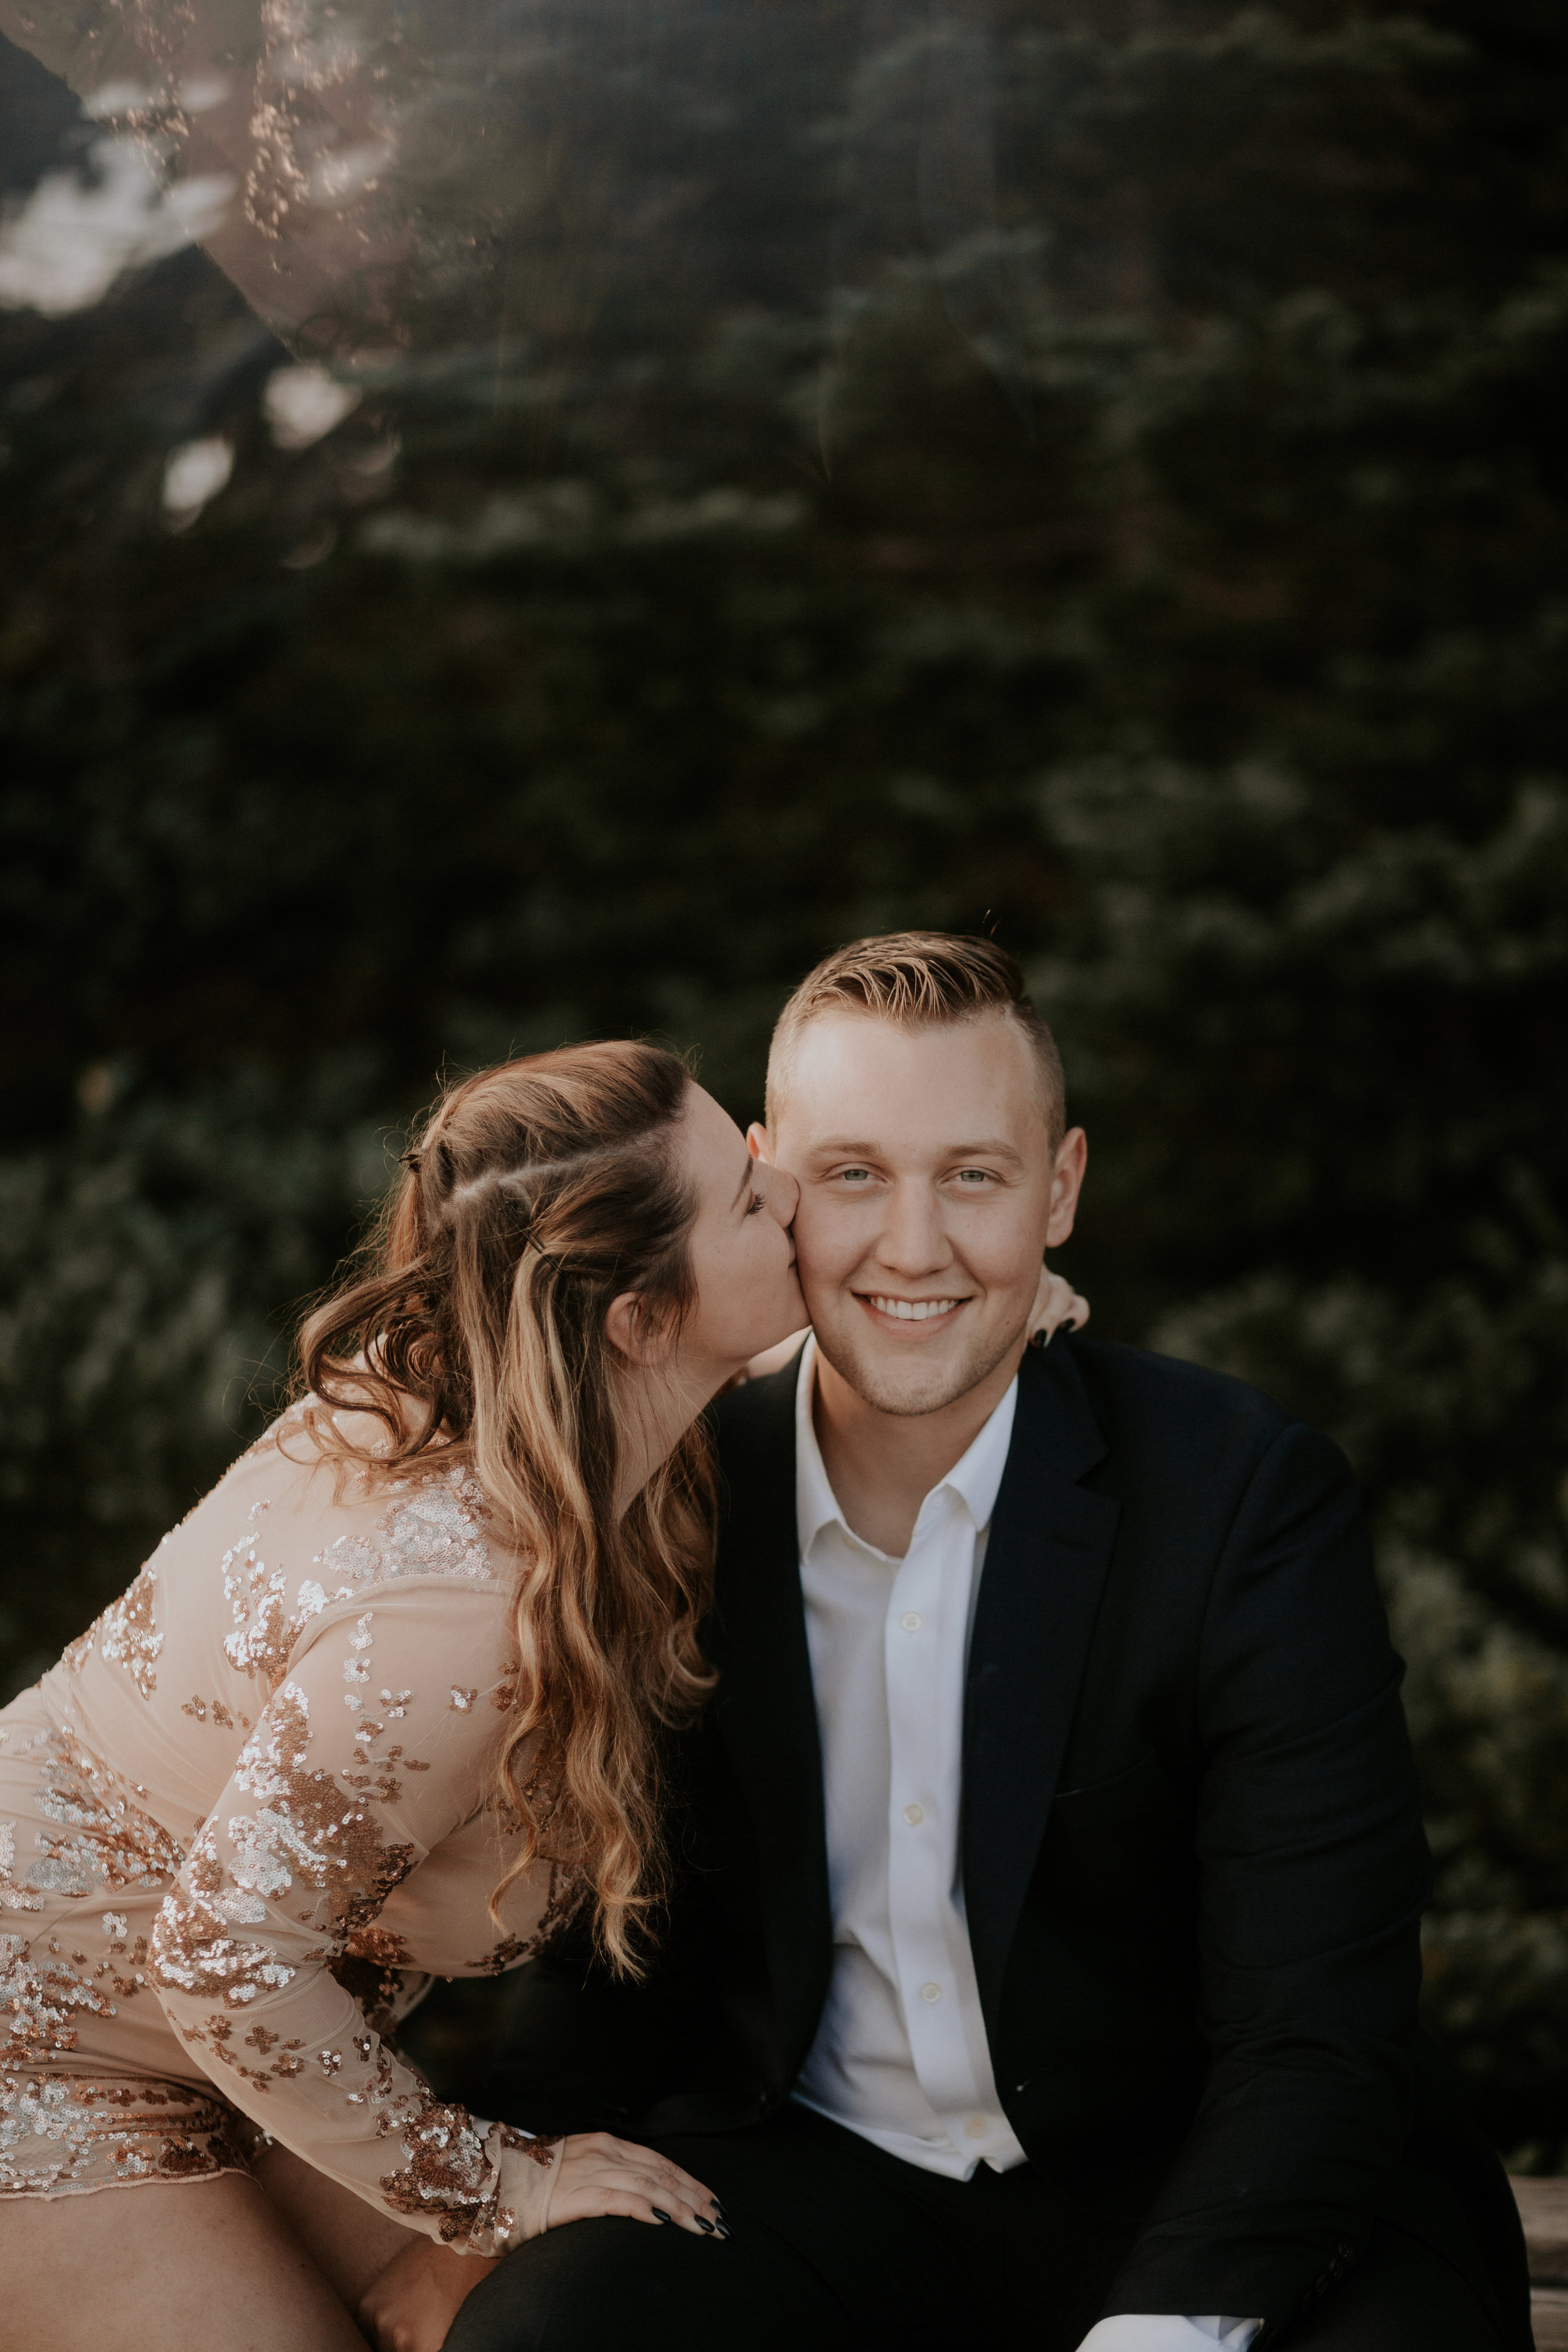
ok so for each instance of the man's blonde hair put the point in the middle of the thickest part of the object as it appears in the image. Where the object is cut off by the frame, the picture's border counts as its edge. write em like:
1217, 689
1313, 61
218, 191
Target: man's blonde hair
919, 979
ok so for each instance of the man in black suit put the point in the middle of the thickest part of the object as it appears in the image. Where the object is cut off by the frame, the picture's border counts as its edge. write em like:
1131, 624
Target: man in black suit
1044, 1958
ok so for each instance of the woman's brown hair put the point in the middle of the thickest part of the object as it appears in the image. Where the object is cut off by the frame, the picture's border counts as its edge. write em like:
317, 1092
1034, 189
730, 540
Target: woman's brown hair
536, 1194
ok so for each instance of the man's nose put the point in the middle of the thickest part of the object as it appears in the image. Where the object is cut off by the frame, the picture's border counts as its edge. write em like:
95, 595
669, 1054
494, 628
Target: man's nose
912, 1241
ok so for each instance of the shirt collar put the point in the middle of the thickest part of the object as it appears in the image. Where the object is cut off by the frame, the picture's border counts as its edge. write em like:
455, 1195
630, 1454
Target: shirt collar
976, 1478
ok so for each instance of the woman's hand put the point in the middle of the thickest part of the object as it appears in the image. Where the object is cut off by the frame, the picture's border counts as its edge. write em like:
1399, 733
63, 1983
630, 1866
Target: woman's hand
598, 2174
1056, 1303
410, 2305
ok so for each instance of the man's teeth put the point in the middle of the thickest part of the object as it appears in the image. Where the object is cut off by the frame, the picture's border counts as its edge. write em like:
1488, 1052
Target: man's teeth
914, 1310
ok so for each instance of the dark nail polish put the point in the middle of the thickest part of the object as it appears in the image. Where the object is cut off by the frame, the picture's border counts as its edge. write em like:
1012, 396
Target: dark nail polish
1042, 1339
720, 2231
1071, 1323
709, 2227
659, 2215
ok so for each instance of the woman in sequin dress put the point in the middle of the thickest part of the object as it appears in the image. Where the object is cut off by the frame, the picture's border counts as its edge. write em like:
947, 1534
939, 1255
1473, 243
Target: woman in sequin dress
409, 1655
386, 1707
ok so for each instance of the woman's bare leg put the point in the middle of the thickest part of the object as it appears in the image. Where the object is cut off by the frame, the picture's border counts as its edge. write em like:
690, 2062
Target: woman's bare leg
160, 2265
349, 2241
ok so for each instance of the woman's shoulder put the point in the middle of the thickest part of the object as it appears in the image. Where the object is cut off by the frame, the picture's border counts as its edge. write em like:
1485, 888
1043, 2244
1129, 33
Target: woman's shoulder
337, 1433
425, 1520
367, 1521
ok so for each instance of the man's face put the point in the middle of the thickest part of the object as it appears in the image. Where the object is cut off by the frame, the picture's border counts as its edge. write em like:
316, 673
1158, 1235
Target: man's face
929, 1193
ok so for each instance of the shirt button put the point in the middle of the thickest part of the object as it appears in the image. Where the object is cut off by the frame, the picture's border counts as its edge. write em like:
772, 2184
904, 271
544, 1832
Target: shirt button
976, 2127
930, 1992
910, 1620
914, 1815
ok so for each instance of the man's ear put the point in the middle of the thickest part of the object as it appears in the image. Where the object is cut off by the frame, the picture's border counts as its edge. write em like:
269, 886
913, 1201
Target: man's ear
631, 1330
1066, 1183
757, 1144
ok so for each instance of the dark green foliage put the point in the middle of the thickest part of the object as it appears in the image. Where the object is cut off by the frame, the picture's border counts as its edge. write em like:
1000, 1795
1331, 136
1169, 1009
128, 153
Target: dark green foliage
1231, 692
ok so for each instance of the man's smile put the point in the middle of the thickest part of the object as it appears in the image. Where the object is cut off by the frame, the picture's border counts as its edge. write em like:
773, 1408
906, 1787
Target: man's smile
888, 1308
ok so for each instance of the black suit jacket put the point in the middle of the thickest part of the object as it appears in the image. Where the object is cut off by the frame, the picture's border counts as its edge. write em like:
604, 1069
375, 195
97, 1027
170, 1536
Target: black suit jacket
1193, 1856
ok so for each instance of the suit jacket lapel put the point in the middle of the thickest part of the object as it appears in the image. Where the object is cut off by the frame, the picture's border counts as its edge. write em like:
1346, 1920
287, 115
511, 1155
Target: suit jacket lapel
1045, 1565
765, 1704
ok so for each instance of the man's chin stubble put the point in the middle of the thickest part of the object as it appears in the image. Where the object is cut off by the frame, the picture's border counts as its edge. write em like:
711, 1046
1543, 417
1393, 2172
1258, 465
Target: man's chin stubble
907, 1399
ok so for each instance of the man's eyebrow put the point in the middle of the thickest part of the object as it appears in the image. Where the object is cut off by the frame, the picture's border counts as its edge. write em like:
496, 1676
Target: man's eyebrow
992, 1148
852, 1148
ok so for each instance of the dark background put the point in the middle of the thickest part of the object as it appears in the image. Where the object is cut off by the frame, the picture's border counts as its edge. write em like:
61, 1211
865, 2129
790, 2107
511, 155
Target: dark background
1172, 579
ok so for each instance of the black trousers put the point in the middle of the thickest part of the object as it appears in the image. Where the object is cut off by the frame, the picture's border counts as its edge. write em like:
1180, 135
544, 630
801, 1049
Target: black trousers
836, 2247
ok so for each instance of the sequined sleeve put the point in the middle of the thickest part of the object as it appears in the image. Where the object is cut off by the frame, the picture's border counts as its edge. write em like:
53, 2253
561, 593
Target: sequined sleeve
369, 1753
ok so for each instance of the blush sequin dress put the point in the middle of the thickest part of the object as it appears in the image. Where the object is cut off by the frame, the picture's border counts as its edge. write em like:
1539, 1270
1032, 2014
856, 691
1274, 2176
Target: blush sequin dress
243, 1824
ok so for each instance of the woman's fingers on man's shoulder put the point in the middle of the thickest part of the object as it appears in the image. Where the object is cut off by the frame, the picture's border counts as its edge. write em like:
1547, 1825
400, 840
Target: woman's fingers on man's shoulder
1057, 1306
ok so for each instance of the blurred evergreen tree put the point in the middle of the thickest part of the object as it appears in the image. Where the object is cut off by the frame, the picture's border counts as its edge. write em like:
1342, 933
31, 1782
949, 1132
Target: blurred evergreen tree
1178, 584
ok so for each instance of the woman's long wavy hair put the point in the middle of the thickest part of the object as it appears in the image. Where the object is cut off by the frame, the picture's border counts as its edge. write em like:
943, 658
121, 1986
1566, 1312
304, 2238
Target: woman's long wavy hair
536, 1194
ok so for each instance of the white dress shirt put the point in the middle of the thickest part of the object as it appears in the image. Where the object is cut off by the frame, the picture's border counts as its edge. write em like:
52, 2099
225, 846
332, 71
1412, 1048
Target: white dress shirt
901, 2055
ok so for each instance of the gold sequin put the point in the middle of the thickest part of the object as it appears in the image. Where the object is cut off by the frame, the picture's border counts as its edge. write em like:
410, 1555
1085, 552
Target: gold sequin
265, 1629
569, 1890
60, 2132
383, 1948
127, 1633
13, 1896
112, 1842
304, 1828
356, 1665
305, 1822
40, 1995
448, 2177
197, 1705
433, 1526
192, 1950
